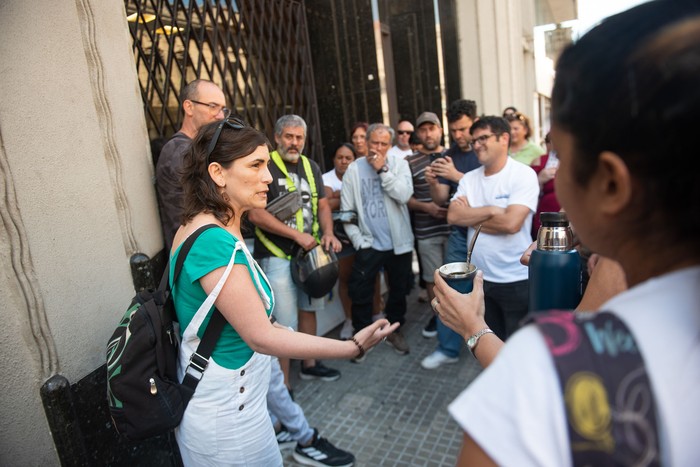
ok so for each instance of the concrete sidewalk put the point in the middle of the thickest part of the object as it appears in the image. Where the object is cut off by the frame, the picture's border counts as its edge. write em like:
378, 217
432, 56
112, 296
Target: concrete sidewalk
388, 410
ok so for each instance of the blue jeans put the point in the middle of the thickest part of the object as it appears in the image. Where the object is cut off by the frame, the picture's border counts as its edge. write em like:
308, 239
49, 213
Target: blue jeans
449, 342
282, 408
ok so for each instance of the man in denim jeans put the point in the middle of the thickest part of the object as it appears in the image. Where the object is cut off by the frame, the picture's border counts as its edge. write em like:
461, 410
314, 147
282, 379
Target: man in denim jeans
378, 188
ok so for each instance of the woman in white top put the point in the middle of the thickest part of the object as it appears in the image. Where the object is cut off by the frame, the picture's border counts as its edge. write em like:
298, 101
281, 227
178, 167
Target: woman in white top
333, 182
624, 112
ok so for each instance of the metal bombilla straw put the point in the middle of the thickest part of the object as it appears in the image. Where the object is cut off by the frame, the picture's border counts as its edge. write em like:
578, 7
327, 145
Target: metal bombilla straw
470, 248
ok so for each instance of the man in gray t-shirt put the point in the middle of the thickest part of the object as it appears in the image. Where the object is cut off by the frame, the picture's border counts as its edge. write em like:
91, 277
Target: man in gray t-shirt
378, 187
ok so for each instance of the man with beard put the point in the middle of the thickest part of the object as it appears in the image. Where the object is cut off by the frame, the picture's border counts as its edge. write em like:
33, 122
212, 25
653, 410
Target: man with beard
429, 218
277, 240
442, 176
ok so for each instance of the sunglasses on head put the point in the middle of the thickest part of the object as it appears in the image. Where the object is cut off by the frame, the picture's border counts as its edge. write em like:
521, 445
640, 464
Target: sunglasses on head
235, 123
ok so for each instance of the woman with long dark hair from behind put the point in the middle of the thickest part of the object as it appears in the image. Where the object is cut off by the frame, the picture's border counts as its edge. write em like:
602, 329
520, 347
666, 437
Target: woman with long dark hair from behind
226, 422
635, 200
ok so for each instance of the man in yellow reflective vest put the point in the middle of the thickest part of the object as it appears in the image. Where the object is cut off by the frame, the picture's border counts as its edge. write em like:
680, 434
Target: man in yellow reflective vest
306, 227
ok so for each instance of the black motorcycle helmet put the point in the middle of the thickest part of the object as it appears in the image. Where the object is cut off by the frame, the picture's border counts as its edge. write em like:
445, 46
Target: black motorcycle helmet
315, 271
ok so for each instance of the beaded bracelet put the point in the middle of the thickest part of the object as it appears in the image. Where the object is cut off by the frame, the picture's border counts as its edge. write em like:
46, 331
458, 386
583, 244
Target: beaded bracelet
359, 346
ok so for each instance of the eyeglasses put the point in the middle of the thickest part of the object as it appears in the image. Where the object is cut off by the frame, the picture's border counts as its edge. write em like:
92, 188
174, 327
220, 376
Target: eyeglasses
214, 109
404, 132
482, 139
235, 123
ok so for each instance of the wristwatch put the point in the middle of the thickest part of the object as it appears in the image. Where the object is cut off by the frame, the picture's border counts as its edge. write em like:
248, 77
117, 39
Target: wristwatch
473, 341
383, 169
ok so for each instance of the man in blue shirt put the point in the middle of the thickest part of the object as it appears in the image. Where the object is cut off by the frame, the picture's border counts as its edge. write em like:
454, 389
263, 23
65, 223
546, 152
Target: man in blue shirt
443, 176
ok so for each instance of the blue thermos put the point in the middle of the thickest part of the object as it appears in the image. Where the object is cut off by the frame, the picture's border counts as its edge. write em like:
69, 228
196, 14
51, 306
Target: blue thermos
555, 266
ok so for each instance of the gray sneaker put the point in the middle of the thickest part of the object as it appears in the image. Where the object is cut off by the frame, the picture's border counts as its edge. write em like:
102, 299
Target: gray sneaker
398, 342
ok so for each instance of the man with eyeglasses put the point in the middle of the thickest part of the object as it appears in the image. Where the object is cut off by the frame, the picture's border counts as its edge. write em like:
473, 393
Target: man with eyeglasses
501, 196
202, 102
403, 133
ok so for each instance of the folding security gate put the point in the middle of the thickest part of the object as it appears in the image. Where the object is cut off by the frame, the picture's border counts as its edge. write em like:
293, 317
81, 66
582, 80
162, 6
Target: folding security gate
256, 50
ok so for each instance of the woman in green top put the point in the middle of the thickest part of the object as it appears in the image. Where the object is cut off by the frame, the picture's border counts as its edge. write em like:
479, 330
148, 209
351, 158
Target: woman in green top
226, 174
521, 148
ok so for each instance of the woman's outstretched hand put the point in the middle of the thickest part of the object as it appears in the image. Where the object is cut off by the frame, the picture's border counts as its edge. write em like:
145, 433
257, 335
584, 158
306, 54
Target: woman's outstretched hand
463, 313
374, 333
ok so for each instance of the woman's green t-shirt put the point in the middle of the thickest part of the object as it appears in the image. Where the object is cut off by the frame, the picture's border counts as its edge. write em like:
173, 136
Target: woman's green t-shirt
528, 153
212, 250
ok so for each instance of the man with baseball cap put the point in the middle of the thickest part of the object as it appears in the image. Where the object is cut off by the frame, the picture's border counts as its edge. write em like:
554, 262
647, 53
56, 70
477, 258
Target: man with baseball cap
430, 226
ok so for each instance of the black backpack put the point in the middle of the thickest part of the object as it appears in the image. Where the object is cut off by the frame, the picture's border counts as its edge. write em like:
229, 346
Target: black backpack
144, 395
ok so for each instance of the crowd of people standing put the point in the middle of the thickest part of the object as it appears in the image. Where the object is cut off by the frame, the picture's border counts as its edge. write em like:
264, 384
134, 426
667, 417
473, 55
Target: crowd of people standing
412, 193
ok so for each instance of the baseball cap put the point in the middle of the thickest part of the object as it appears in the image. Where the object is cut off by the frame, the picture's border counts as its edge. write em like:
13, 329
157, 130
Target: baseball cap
427, 117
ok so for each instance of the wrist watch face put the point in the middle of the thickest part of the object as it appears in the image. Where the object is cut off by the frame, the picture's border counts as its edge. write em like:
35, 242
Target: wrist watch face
471, 342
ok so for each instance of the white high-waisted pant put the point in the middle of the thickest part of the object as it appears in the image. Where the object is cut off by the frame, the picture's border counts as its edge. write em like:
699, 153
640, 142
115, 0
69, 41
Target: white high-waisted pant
226, 422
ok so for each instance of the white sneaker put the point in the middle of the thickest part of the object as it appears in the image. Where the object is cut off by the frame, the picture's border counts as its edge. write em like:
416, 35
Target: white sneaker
436, 359
346, 331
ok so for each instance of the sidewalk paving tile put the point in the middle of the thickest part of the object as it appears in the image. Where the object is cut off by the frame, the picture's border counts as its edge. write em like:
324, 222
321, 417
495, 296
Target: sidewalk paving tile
388, 410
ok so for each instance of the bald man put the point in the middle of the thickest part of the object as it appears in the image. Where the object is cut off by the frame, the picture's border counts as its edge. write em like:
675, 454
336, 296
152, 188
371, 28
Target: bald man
202, 102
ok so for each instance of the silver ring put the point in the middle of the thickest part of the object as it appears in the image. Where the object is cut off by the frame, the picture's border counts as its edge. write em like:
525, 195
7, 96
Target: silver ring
434, 303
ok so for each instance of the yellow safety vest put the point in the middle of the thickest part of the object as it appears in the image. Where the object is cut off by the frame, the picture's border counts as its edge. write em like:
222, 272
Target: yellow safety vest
277, 159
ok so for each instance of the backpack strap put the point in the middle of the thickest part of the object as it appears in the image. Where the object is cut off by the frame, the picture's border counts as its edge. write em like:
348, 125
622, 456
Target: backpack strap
200, 358
184, 250
610, 408
187, 246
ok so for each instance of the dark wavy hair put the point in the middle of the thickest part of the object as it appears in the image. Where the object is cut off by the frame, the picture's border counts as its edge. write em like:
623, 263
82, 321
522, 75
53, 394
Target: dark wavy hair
498, 125
348, 146
459, 108
630, 86
201, 193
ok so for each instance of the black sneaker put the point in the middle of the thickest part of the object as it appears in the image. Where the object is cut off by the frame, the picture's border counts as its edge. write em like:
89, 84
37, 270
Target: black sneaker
284, 438
320, 371
430, 329
322, 453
